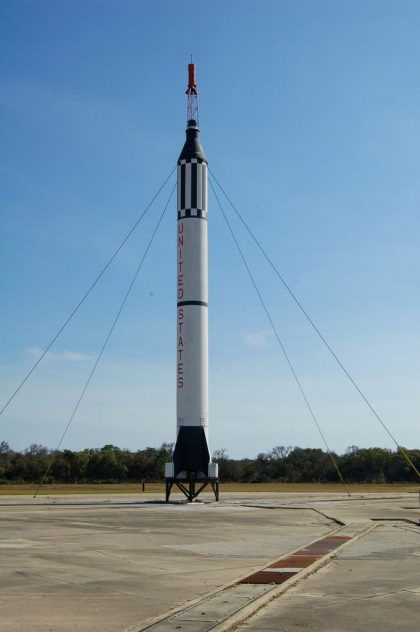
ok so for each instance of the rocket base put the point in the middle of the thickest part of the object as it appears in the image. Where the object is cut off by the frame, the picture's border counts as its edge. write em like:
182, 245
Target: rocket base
192, 487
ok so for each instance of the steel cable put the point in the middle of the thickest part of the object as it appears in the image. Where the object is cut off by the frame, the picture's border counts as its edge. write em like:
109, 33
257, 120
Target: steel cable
127, 294
84, 297
280, 342
311, 322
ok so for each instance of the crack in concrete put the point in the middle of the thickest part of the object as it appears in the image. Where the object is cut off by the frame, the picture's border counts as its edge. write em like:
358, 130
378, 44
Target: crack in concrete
68, 581
375, 558
210, 570
347, 599
50, 578
406, 528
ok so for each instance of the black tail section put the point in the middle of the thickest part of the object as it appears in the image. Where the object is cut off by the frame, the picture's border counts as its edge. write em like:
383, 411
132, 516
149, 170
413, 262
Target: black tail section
191, 451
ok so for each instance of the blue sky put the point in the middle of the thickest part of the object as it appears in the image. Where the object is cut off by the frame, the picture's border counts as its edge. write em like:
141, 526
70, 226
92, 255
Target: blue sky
309, 113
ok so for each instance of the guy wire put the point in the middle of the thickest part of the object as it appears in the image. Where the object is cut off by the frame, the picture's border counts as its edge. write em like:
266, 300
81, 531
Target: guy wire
280, 342
130, 287
84, 297
311, 322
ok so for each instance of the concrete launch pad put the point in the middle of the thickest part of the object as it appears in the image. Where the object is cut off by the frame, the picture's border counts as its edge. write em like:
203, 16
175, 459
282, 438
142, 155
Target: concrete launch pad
119, 563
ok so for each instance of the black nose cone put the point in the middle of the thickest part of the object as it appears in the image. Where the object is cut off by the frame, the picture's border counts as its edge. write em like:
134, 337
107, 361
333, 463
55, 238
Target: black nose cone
192, 147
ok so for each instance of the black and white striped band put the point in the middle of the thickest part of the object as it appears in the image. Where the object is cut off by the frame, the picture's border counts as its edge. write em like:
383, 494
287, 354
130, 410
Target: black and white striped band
192, 188
192, 212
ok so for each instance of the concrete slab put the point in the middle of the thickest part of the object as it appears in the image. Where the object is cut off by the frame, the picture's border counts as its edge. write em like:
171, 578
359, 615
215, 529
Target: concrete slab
109, 563
212, 611
228, 617
114, 563
374, 584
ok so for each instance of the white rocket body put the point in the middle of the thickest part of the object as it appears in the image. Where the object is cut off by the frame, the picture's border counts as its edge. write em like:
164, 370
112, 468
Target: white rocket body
192, 456
192, 298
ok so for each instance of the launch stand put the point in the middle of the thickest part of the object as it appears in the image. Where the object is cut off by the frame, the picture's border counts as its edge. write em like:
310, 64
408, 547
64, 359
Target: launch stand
191, 470
192, 487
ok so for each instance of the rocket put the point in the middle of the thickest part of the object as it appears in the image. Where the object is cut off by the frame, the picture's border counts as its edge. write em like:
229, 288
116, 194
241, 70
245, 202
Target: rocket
192, 464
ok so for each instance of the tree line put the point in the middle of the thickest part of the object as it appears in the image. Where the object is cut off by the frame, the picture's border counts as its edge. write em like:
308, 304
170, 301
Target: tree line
111, 464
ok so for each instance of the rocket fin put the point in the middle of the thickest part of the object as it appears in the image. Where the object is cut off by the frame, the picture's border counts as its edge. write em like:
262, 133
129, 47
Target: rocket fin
191, 451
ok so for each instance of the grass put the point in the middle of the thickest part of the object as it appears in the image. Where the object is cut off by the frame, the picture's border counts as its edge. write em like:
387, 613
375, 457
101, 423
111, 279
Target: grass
159, 488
